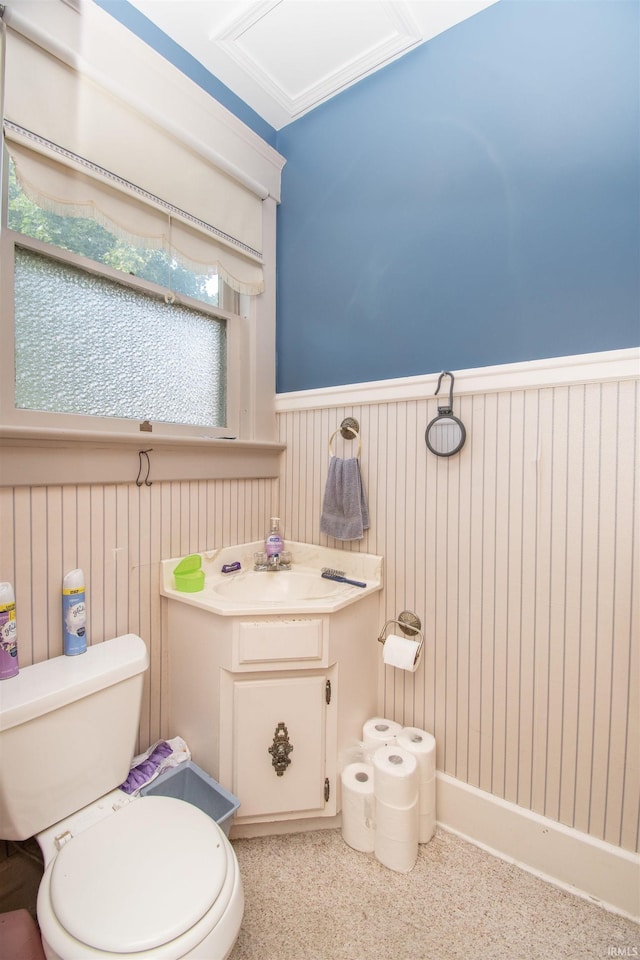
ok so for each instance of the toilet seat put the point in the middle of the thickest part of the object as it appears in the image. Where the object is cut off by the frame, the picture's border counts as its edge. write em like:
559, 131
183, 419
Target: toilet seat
151, 880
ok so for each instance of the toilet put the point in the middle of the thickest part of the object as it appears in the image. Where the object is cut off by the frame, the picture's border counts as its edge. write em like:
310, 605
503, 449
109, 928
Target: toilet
126, 877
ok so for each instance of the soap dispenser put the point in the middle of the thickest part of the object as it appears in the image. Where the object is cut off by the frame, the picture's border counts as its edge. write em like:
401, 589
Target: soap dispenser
274, 544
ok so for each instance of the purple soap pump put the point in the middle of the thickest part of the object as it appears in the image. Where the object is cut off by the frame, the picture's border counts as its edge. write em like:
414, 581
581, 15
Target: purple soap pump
274, 544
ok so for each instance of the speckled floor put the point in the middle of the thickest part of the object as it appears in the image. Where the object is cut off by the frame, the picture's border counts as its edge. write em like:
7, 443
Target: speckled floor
311, 897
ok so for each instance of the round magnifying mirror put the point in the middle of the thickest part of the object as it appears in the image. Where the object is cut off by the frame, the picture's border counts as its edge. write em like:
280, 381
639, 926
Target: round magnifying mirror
445, 435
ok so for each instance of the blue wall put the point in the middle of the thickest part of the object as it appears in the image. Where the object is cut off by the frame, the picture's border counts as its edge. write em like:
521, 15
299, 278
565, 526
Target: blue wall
474, 203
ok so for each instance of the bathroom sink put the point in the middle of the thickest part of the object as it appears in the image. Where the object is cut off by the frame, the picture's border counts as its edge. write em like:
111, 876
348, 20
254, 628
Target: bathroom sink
253, 593
275, 587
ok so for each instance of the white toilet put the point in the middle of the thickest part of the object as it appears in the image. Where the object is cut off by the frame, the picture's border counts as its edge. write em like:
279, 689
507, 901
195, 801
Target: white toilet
143, 877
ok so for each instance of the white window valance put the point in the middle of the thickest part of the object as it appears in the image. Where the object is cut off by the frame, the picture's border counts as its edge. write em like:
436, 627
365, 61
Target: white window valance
133, 214
80, 149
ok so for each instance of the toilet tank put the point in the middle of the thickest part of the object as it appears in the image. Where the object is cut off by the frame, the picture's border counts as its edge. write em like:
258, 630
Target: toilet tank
68, 729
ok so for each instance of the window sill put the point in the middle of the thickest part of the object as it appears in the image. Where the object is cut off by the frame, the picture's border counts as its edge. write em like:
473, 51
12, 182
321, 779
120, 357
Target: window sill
42, 456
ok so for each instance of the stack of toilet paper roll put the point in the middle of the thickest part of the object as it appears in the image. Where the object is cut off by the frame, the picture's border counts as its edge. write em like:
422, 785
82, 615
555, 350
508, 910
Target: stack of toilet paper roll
388, 793
395, 784
422, 746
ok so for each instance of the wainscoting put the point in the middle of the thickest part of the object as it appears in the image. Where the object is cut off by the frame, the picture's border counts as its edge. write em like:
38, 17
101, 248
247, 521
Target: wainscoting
520, 558
518, 554
117, 534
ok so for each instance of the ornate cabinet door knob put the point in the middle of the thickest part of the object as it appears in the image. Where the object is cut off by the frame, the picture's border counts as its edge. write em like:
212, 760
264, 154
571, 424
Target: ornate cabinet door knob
280, 749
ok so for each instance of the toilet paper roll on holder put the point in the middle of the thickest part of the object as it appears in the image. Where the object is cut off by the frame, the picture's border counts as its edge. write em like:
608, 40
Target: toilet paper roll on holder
410, 625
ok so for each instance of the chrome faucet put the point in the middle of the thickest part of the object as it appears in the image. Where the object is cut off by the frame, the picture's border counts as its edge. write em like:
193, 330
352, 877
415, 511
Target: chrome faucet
278, 561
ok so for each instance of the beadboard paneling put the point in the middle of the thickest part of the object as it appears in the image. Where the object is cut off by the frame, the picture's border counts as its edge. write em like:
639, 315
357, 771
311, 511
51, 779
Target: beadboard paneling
117, 534
520, 555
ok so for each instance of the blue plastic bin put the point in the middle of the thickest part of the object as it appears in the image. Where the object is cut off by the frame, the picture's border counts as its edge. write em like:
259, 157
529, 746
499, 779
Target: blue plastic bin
188, 782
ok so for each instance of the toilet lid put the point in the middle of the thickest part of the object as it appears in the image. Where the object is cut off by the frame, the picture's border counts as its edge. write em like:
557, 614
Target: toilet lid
141, 877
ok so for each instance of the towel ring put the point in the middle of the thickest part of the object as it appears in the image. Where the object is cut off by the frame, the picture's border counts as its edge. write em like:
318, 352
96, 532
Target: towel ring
335, 434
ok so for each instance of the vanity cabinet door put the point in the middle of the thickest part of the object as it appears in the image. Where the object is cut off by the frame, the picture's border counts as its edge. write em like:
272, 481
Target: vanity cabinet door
279, 744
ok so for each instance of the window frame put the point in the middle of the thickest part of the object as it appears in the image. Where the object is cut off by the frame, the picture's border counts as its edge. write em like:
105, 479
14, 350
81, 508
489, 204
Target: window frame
42, 448
13, 416
162, 94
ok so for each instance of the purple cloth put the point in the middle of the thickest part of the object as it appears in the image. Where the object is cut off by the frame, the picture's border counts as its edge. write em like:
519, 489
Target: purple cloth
144, 771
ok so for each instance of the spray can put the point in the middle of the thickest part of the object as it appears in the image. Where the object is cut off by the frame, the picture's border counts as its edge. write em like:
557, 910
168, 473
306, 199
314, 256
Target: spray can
74, 614
8, 633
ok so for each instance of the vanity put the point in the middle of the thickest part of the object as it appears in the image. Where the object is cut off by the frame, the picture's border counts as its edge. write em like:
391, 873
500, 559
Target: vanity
272, 674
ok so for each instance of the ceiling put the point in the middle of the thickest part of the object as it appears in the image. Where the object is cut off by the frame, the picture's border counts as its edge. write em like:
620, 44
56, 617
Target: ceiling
284, 57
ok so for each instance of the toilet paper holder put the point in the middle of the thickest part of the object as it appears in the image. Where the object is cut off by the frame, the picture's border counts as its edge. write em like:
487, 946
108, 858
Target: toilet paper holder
410, 625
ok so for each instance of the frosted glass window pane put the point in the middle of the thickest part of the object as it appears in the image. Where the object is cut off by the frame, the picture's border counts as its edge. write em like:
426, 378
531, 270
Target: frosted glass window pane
88, 345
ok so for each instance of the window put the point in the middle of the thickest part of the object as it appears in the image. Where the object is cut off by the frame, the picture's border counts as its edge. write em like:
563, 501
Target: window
90, 345
158, 182
105, 329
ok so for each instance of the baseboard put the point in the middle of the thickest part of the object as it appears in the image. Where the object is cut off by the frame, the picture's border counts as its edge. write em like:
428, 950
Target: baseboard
276, 828
567, 858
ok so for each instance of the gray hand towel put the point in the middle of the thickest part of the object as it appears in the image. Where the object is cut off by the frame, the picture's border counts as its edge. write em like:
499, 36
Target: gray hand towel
345, 515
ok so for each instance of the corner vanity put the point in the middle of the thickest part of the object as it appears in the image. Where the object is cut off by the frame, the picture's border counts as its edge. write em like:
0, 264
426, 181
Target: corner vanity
271, 675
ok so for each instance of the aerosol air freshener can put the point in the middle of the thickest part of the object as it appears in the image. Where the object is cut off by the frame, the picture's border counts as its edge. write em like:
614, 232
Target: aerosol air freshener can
8, 633
74, 614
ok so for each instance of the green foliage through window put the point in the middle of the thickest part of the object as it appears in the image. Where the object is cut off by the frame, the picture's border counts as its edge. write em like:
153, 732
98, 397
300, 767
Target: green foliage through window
89, 239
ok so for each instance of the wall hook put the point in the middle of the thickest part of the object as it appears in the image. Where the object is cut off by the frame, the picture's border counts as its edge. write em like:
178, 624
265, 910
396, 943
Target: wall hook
146, 481
449, 409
